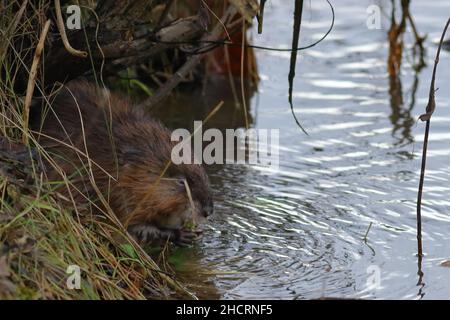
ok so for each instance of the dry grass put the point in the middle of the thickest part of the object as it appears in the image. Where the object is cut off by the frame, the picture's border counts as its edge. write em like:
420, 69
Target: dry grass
40, 239
42, 234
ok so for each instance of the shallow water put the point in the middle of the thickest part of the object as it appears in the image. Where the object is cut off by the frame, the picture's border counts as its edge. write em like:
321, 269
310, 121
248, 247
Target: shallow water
298, 232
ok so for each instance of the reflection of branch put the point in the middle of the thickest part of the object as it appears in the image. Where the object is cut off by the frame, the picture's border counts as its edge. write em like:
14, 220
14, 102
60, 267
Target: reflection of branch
395, 56
395, 35
419, 39
427, 117
396, 100
401, 116
420, 282
396, 45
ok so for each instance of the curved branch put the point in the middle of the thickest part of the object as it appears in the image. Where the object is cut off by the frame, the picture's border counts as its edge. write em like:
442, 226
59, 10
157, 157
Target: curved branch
62, 31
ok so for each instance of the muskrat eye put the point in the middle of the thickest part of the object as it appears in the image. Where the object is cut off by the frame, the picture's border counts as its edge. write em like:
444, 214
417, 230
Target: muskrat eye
179, 180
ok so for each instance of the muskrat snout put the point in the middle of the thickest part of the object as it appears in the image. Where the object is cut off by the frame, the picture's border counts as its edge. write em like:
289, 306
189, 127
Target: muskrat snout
208, 209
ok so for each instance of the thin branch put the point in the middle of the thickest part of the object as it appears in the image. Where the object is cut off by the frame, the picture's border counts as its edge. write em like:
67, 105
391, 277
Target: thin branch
190, 64
217, 18
32, 79
260, 16
244, 104
295, 39
431, 106
62, 31
164, 14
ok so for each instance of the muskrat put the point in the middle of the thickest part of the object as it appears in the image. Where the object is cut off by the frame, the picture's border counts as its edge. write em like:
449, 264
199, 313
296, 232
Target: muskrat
128, 152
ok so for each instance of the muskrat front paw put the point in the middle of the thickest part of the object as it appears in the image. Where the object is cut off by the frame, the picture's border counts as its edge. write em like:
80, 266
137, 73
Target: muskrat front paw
186, 238
150, 234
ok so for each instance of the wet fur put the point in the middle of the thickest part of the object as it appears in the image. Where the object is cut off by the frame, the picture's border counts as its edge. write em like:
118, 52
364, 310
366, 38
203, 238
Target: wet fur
131, 147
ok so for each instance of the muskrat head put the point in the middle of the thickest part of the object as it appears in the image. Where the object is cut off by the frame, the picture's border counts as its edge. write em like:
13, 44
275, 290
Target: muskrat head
180, 198
172, 207
151, 195
188, 186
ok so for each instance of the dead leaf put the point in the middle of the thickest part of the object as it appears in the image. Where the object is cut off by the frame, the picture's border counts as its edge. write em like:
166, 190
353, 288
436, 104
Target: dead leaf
247, 8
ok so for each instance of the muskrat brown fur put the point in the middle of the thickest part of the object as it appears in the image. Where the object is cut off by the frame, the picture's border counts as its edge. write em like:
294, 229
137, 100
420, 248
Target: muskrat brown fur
121, 141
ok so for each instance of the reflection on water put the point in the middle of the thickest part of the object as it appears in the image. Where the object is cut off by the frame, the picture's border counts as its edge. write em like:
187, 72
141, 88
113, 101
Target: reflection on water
298, 232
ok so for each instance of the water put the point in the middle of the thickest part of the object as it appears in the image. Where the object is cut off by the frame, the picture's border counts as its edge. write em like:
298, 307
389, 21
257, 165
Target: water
298, 232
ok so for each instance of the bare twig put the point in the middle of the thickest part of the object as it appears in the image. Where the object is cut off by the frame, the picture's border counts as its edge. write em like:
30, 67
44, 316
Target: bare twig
295, 40
164, 14
189, 194
419, 40
244, 104
237, 103
367, 232
217, 18
427, 117
32, 80
190, 64
262, 4
62, 31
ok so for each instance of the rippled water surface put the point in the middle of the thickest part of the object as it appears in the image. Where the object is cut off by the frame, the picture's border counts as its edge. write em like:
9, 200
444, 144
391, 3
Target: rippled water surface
297, 232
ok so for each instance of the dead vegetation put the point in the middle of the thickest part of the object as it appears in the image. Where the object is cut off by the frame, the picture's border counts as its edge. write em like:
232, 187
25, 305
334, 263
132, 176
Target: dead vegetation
41, 234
